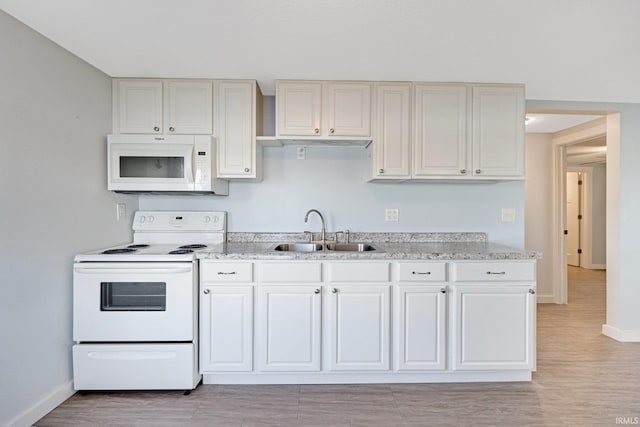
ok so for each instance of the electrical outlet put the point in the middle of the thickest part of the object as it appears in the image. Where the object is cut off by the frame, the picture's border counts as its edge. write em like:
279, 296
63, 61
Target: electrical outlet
121, 211
391, 215
301, 153
508, 215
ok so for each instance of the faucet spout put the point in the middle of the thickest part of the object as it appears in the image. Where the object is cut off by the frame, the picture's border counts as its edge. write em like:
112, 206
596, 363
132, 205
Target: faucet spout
324, 228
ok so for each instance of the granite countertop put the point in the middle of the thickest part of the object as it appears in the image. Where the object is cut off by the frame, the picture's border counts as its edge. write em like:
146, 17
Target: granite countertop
391, 246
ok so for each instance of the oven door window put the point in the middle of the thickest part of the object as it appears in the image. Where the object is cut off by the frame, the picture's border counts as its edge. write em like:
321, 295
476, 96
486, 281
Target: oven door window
133, 296
152, 167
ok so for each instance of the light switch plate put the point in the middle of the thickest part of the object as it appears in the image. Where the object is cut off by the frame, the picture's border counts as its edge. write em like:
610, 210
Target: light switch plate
121, 211
508, 215
301, 153
391, 215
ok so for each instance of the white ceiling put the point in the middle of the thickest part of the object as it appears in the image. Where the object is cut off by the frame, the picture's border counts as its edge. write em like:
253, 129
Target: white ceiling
561, 50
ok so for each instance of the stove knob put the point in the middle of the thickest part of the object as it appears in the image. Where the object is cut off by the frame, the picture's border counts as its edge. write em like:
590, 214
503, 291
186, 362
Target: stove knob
207, 219
151, 218
143, 218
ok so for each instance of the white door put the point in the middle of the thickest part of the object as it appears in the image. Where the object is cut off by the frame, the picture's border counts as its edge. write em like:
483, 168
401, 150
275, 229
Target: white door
235, 130
494, 327
189, 108
440, 139
359, 322
391, 147
226, 328
420, 324
348, 109
498, 131
139, 106
289, 325
573, 214
298, 108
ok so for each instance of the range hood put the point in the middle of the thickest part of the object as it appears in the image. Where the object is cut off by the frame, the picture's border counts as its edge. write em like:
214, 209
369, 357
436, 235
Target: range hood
272, 141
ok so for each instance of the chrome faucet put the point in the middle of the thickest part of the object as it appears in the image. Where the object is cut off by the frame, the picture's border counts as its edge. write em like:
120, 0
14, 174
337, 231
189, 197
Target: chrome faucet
324, 228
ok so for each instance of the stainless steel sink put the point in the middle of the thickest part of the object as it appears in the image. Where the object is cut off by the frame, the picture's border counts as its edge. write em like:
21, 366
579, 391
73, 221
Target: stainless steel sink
298, 247
350, 247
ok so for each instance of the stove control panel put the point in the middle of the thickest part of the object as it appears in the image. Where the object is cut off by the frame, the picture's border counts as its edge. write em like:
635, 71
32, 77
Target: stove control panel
183, 221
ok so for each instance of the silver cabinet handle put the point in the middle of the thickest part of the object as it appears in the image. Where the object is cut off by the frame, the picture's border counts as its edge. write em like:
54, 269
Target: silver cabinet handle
532, 291
206, 291
247, 170
156, 128
497, 272
317, 291
171, 129
381, 171
463, 171
334, 291
332, 130
478, 171
220, 273
316, 130
443, 291
421, 272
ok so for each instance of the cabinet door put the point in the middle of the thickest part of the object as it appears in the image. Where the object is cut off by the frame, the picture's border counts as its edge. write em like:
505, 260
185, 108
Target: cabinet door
498, 131
299, 107
420, 324
391, 145
440, 140
494, 327
289, 325
139, 106
359, 328
348, 109
235, 129
226, 328
189, 108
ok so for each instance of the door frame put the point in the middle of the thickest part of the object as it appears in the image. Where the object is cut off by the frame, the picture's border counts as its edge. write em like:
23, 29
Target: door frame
575, 135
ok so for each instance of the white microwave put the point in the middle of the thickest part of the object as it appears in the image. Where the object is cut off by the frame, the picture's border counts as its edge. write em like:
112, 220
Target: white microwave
163, 164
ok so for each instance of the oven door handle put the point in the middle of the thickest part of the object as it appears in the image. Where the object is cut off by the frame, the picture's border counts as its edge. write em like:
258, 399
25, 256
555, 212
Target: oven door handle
133, 270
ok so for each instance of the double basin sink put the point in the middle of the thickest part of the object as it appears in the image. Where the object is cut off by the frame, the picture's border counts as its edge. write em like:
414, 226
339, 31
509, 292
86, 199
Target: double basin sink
316, 247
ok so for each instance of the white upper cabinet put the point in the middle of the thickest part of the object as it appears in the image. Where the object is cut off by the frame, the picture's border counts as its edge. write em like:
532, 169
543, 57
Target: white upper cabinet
440, 139
138, 105
188, 107
392, 132
498, 131
237, 107
151, 106
328, 110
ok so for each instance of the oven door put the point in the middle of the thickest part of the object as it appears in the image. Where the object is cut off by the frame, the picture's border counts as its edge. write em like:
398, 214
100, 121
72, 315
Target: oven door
142, 164
134, 301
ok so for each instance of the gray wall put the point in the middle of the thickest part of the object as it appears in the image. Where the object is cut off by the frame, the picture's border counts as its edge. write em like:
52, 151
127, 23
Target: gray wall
55, 111
334, 181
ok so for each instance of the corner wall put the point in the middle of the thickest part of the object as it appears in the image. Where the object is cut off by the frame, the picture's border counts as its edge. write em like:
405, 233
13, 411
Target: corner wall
55, 113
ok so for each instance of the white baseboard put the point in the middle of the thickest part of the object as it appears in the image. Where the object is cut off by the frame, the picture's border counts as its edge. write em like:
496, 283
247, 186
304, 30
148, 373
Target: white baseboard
598, 266
43, 406
632, 335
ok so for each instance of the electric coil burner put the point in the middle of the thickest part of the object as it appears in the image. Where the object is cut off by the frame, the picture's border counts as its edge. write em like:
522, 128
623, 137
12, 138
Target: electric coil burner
135, 305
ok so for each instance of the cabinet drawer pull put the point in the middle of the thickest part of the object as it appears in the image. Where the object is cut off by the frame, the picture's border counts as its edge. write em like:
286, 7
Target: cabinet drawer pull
332, 130
463, 171
497, 272
316, 130
334, 291
478, 171
206, 291
421, 272
172, 129
443, 291
532, 291
317, 291
247, 170
156, 128
220, 273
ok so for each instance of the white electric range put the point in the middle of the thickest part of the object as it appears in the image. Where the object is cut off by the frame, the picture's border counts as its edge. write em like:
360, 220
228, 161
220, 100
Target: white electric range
135, 306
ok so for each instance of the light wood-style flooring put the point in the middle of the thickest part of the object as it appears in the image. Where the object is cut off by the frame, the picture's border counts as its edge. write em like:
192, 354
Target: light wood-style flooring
583, 379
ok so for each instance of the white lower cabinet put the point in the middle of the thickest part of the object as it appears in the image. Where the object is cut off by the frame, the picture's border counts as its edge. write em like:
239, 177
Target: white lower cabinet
314, 321
289, 328
359, 327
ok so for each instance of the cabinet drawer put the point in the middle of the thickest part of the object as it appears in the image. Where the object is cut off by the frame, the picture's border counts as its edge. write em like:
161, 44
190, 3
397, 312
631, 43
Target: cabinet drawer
226, 272
291, 272
422, 272
359, 272
493, 271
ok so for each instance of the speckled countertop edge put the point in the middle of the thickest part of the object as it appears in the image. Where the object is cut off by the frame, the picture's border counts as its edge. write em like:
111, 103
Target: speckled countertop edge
389, 246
